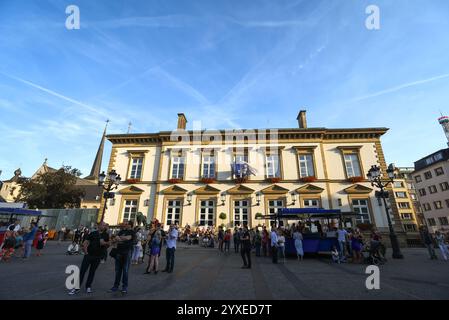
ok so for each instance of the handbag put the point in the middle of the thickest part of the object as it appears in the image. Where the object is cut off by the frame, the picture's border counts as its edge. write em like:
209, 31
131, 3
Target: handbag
113, 253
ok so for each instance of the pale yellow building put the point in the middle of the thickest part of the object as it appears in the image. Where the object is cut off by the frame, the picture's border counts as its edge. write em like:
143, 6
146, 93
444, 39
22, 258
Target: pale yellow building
185, 177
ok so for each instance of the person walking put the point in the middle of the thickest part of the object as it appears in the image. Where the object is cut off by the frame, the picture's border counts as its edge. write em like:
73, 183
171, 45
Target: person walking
245, 243
172, 237
154, 248
104, 235
281, 245
41, 237
265, 240
257, 242
91, 260
441, 241
274, 245
357, 246
297, 237
428, 242
342, 236
227, 241
28, 239
125, 240
236, 239
137, 247
220, 238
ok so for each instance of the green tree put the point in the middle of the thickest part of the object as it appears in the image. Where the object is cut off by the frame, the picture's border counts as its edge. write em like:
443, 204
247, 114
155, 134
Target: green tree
52, 190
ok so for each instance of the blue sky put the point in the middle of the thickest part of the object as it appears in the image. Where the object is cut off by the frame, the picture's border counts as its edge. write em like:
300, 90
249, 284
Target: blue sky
244, 64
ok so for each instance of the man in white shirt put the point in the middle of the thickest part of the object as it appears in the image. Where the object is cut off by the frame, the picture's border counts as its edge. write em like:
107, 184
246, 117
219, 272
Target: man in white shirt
274, 245
342, 235
172, 237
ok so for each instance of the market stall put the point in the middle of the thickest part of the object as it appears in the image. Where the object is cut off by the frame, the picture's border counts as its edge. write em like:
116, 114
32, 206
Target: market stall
319, 225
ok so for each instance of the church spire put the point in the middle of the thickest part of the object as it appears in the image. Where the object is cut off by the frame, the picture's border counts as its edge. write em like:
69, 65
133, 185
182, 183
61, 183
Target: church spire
96, 166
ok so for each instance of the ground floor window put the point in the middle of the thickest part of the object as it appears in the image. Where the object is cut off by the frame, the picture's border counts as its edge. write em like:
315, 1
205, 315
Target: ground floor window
173, 212
207, 213
241, 212
130, 210
360, 206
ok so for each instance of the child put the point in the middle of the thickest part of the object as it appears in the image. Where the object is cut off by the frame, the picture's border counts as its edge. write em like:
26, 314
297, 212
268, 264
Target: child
73, 248
335, 255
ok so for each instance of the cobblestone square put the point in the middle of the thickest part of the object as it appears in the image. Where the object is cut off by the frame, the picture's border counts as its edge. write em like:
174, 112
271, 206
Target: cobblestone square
205, 274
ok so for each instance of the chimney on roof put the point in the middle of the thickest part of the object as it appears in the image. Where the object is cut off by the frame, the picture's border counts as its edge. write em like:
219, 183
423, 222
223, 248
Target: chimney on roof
302, 120
182, 121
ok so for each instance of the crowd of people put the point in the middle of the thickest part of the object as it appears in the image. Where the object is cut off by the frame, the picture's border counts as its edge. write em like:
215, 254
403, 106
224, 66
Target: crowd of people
130, 245
18, 241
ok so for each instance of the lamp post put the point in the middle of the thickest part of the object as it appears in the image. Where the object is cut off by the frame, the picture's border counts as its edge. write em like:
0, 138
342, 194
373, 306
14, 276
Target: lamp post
375, 177
112, 184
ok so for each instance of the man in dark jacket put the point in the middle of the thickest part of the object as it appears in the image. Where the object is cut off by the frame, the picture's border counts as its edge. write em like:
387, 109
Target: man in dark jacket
125, 242
427, 239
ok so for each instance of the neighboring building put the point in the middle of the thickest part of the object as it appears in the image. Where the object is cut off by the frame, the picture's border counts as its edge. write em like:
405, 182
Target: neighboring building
407, 204
431, 178
10, 189
187, 177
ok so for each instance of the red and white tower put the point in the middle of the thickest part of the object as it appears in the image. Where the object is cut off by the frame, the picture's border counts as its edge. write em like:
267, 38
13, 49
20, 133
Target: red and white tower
444, 121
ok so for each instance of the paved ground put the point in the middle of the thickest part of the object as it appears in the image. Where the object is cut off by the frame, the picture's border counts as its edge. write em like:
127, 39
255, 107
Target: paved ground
202, 273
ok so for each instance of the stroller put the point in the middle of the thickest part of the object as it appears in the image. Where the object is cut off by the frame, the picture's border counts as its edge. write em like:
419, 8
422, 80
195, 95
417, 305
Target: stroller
374, 253
73, 249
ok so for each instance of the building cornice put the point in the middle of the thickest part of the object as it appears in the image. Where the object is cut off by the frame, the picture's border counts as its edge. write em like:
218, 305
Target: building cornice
247, 136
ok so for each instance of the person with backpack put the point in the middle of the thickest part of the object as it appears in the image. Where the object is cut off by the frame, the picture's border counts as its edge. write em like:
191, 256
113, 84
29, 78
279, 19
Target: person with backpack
92, 257
154, 251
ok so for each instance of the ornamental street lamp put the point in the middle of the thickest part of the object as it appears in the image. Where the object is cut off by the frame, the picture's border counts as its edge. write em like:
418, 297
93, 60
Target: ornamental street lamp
375, 176
223, 198
112, 184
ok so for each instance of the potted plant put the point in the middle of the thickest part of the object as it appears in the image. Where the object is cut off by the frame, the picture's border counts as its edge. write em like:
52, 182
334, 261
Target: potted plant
132, 180
222, 217
356, 179
258, 215
241, 180
308, 179
174, 180
274, 179
208, 180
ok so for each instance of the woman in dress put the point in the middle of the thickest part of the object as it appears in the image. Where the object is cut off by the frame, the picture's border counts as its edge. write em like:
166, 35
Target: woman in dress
41, 239
154, 252
137, 249
297, 237
281, 245
356, 245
